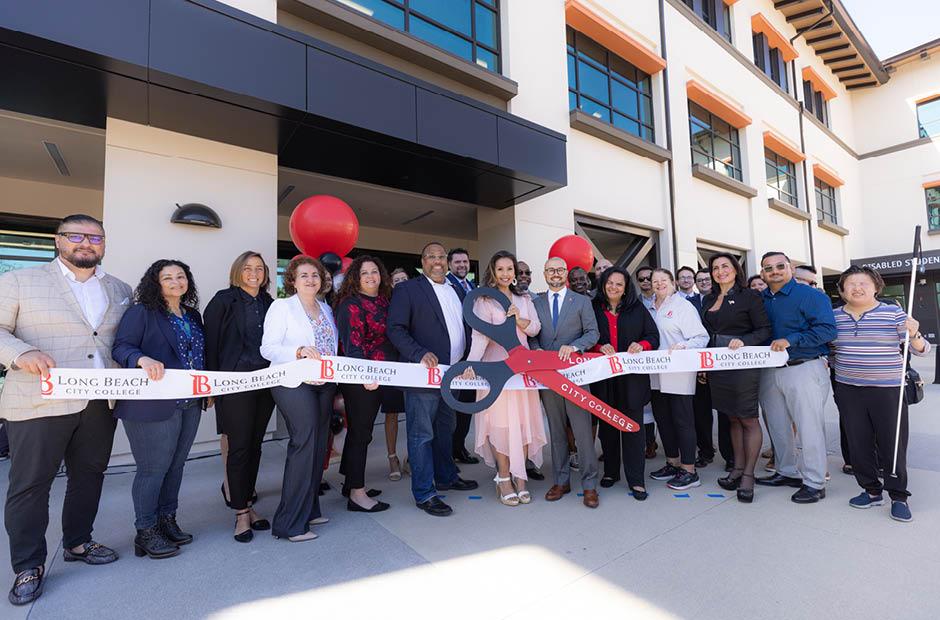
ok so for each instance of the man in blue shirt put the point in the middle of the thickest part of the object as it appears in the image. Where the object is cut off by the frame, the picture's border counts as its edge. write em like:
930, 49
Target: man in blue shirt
795, 395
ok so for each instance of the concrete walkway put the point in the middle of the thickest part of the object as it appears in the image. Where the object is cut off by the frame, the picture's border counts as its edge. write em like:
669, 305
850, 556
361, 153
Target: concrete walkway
703, 556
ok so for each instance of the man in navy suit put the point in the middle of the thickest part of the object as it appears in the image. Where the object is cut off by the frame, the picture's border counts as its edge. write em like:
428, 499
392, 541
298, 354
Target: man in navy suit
425, 323
458, 265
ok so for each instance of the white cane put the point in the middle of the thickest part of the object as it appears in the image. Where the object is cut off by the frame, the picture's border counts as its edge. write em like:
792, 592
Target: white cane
915, 260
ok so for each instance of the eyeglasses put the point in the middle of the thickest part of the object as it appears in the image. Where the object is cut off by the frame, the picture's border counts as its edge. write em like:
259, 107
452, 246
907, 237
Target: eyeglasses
777, 267
523, 272
555, 270
79, 237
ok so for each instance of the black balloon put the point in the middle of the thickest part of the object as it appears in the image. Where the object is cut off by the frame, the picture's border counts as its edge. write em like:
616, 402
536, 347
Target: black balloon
331, 261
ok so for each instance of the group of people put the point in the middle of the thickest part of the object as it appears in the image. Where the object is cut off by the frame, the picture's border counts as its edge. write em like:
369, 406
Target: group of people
70, 313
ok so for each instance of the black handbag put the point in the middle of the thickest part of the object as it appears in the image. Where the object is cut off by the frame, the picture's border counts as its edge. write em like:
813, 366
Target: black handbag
913, 387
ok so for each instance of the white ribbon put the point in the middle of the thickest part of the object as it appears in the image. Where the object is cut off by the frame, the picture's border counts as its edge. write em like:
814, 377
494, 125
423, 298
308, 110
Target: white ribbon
133, 384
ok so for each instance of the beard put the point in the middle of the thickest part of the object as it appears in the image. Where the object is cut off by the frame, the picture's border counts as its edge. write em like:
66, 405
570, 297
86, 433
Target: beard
82, 261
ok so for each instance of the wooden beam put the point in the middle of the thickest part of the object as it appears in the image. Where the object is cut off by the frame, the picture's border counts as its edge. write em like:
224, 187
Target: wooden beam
832, 61
782, 3
849, 68
798, 16
825, 37
820, 26
846, 78
862, 85
834, 48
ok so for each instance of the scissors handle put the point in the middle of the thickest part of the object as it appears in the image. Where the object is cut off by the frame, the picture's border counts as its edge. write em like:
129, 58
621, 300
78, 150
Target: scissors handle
495, 373
503, 333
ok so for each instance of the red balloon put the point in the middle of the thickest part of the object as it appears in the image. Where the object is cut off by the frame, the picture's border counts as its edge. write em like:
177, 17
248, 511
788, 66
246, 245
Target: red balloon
321, 224
346, 263
574, 250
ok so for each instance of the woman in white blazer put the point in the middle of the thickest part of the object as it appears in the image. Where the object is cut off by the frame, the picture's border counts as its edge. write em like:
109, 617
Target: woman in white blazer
299, 327
679, 328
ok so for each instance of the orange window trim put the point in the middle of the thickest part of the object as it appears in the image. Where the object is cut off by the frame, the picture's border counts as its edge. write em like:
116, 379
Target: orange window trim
930, 184
730, 2
811, 76
826, 175
716, 104
760, 24
782, 146
927, 99
586, 21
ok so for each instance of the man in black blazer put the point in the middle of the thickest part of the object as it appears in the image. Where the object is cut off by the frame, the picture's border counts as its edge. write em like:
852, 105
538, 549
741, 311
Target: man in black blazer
458, 265
425, 323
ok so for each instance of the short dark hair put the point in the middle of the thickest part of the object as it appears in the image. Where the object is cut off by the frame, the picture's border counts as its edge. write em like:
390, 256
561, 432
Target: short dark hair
450, 255
629, 292
775, 253
808, 268
78, 218
703, 270
429, 244
642, 268
685, 268
855, 270
752, 278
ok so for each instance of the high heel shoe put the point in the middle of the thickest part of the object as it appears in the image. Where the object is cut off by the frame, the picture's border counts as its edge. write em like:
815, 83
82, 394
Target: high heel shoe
524, 496
247, 535
510, 499
746, 495
394, 466
729, 482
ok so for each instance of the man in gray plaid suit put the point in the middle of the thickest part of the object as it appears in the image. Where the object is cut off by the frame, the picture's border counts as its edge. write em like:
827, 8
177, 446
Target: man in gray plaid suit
64, 314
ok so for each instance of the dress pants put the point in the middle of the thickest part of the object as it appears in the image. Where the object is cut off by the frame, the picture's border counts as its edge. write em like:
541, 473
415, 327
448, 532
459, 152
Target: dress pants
362, 406
702, 408
627, 448
430, 427
37, 448
676, 422
870, 418
462, 428
160, 449
245, 417
306, 410
557, 410
797, 396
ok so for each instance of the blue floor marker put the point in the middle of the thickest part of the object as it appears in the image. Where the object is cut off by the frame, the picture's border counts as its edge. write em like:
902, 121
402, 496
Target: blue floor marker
715, 494
683, 495
475, 497
580, 494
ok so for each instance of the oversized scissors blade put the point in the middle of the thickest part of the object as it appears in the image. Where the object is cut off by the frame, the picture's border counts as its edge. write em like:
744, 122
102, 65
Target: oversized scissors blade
581, 397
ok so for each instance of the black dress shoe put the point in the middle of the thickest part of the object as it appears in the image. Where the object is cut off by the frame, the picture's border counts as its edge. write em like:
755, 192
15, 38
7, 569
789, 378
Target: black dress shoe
352, 506
94, 553
171, 531
746, 496
779, 480
27, 586
324, 487
639, 496
151, 542
534, 474
435, 507
458, 485
261, 525
608, 482
464, 457
808, 495
369, 493
702, 461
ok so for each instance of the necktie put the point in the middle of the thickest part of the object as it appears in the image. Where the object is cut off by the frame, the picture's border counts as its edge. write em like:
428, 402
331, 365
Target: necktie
555, 311
466, 286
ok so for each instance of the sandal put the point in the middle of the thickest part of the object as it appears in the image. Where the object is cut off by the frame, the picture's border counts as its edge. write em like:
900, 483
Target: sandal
746, 495
394, 466
247, 535
509, 499
524, 496
730, 482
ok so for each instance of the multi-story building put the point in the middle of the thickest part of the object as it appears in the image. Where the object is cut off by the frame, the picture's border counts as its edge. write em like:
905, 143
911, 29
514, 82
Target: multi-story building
660, 130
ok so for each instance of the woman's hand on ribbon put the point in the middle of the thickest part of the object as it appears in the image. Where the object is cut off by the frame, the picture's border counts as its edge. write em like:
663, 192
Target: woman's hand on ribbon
608, 349
310, 353
735, 344
152, 367
678, 346
634, 348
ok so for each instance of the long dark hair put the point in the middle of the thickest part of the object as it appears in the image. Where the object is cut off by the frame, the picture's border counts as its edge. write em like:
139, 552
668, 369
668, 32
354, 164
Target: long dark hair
150, 294
740, 279
350, 285
629, 292
489, 276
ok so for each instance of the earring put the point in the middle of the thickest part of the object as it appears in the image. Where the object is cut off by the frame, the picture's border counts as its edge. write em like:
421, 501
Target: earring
514, 282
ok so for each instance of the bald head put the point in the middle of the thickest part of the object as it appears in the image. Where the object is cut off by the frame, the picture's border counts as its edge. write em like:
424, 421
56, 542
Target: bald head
556, 273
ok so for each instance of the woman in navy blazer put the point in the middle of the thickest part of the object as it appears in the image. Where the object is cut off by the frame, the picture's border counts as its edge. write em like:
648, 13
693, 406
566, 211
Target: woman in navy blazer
162, 330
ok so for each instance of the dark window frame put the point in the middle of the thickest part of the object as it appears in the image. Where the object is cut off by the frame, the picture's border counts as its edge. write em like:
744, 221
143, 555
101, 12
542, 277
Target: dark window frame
925, 131
710, 11
646, 129
933, 207
781, 164
734, 140
815, 103
770, 61
827, 207
408, 13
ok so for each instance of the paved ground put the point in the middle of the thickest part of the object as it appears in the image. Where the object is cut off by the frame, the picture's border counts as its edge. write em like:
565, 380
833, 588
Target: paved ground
703, 556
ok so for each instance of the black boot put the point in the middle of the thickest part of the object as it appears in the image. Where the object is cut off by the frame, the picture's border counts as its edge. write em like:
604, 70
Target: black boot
171, 531
152, 542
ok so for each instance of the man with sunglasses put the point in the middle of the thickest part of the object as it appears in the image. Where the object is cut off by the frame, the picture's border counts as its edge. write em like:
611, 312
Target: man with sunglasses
64, 313
795, 395
644, 281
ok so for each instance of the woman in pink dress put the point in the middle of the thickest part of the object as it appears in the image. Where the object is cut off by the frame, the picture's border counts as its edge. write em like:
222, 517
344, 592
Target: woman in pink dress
511, 430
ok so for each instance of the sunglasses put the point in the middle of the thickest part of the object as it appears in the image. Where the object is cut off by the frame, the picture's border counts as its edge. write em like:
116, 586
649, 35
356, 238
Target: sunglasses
777, 267
645, 279
80, 237
523, 272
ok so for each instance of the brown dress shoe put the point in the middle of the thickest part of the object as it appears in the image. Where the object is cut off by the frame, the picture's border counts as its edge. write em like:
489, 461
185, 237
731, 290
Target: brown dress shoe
554, 494
590, 499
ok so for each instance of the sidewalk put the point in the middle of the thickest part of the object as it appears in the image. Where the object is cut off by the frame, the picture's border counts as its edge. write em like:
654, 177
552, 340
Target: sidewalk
704, 556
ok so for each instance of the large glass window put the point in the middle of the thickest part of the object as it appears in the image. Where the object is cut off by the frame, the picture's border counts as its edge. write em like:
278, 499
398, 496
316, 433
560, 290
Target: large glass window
781, 178
933, 208
608, 87
769, 60
466, 28
19, 249
826, 203
815, 103
715, 143
928, 118
715, 13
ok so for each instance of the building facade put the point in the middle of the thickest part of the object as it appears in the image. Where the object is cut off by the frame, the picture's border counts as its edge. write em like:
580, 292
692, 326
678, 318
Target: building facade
660, 130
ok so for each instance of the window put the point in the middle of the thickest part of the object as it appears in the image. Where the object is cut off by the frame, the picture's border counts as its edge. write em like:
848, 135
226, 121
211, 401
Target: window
933, 208
928, 118
815, 103
715, 143
826, 202
770, 60
21, 249
715, 13
607, 87
466, 28
781, 178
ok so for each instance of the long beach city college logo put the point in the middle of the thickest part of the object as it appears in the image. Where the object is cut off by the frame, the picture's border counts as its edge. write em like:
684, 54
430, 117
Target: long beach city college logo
200, 385
326, 369
615, 366
434, 376
46, 383
705, 359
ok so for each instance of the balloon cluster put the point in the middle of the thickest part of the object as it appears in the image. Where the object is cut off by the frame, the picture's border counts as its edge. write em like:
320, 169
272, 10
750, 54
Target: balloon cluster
325, 227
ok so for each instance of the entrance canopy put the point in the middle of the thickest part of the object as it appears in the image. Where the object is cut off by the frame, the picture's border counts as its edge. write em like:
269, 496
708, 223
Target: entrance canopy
202, 68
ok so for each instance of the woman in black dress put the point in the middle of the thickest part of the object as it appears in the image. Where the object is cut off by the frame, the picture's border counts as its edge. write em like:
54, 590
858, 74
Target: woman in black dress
735, 317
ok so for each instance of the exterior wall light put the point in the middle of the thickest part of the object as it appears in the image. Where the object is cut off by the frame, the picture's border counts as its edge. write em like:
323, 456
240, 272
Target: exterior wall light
195, 214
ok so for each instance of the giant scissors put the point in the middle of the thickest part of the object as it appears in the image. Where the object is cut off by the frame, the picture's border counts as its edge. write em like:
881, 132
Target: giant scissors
542, 366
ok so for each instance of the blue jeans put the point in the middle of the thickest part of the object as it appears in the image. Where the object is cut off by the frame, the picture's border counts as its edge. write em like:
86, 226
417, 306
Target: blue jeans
160, 450
430, 426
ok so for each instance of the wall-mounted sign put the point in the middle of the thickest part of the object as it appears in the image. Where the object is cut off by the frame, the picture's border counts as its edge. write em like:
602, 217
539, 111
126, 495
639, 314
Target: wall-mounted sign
898, 263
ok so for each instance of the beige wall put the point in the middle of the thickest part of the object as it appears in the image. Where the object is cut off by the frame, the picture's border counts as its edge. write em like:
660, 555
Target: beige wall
48, 199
